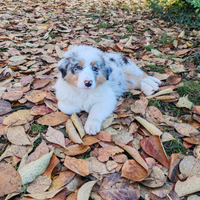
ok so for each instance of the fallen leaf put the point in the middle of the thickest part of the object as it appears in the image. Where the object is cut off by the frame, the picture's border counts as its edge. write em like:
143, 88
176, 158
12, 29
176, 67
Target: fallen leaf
62, 179
30, 171
184, 102
12, 95
17, 118
40, 83
155, 179
53, 119
104, 136
187, 119
189, 166
140, 106
41, 150
89, 140
195, 109
16, 135
185, 129
150, 127
111, 165
156, 52
55, 136
174, 161
3, 129
174, 79
71, 131
38, 110
5, 107
122, 138
97, 166
106, 152
189, 186
78, 124
76, 149
154, 112
10, 179
177, 68
40, 184
45, 195
85, 190
162, 92
78, 166
52, 164
26, 80
114, 187
171, 196
154, 148
134, 171
35, 96
136, 155
167, 137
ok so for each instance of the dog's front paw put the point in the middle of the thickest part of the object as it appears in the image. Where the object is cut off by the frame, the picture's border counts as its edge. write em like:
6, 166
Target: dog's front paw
149, 85
92, 127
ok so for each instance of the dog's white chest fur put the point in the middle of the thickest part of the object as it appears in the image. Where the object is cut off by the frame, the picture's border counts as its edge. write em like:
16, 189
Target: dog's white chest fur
92, 81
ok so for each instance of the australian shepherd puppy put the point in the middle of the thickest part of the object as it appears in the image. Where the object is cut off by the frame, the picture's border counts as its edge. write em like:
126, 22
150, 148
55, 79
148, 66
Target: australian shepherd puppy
92, 80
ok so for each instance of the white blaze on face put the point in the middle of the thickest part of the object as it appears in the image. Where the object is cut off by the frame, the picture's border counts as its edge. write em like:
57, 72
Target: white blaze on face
86, 75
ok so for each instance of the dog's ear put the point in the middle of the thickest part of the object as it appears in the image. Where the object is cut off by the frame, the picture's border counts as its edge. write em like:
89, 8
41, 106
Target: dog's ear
108, 71
63, 66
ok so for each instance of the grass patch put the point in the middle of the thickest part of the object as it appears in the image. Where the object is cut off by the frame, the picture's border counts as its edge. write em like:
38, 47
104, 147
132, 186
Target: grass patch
156, 68
174, 146
149, 47
104, 25
106, 37
63, 130
97, 40
3, 50
52, 35
192, 89
37, 142
175, 12
129, 28
37, 128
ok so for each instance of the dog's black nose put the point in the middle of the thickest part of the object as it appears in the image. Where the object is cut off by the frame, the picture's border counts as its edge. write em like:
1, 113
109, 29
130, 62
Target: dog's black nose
88, 83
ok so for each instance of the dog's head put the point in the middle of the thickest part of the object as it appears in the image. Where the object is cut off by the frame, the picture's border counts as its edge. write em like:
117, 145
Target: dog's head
84, 67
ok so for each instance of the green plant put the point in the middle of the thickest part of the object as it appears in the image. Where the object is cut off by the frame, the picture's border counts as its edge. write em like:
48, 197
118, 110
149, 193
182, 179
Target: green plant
37, 128
104, 25
97, 40
149, 47
174, 146
129, 28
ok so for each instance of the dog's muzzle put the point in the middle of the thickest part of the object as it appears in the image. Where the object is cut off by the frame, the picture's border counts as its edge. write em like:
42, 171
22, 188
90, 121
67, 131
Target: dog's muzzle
88, 83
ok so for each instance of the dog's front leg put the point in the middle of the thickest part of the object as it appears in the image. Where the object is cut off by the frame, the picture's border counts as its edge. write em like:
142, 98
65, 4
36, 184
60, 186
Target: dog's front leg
98, 113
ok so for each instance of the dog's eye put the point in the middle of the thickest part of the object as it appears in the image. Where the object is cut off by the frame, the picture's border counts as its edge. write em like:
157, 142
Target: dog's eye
79, 67
95, 69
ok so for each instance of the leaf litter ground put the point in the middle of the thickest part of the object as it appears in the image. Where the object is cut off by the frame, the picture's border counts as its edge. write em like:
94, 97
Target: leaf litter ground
147, 149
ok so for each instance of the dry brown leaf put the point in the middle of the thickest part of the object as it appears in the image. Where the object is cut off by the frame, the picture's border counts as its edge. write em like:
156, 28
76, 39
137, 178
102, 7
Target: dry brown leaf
114, 186
71, 131
5, 107
155, 179
150, 127
62, 179
134, 171
104, 136
196, 110
97, 166
174, 161
35, 96
76, 149
184, 102
154, 148
40, 83
111, 165
16, 135
136, 155
140, 106
106, 152
53, 119
167, 137
40, 184
174, 79
85, 190
189, 186
38, 110
12, 95
17, 118
41, 150
3, 129
52, 164
78, 124
55, 136
10, 179
185, 129
78, 166
120, 158
122, 138
162, 92
89, 140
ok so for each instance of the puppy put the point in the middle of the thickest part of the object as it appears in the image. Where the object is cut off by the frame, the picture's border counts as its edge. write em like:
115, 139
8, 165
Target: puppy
92, 80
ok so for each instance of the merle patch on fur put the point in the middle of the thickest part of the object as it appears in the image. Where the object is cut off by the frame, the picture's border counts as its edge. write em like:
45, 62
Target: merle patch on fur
63, 72
125, 59
108, 71
111, 59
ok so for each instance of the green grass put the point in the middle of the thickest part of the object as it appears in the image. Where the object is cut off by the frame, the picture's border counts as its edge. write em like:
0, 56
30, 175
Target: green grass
174, 146
156, 68
104, 25
175, 12
106, 37
52, 35
3, 50
192, 89
149, 47
63, 130
126, 7
97, 40
129, 28
37, 128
